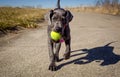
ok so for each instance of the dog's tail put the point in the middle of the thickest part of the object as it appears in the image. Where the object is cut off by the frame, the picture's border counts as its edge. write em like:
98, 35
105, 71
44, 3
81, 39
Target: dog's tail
58, 4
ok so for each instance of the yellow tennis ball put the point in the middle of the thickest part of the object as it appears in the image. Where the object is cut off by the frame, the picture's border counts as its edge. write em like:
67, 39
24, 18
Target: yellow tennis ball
55, 36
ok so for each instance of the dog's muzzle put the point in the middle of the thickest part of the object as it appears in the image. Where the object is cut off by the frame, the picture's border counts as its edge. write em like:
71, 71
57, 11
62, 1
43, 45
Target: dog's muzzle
59, 29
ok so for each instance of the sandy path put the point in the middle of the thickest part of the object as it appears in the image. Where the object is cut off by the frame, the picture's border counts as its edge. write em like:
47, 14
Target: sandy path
26, 55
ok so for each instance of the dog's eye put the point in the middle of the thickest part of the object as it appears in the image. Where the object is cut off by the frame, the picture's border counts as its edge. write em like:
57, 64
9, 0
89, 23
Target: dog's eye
55, 18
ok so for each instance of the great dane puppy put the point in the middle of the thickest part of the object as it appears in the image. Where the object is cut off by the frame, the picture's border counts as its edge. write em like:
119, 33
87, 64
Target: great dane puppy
58, 20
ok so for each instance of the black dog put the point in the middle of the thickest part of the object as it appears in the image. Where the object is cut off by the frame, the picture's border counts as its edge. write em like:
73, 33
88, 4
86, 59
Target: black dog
58, 20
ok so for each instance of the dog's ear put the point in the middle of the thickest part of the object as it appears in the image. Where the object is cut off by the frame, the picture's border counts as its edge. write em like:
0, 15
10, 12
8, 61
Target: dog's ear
69, 16
48, 17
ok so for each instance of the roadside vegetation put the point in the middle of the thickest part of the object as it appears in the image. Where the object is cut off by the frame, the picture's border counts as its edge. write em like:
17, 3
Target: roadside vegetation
108, 6
11, 17
101, 6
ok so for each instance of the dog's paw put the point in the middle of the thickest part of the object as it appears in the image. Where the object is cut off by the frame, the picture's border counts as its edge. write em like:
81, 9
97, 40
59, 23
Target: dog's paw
66, 56
52, 67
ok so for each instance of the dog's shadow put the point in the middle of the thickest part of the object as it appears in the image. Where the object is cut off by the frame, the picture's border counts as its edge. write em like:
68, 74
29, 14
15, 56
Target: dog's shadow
102, 54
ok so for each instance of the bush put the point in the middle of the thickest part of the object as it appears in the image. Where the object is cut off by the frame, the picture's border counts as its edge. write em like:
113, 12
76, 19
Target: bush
25, 17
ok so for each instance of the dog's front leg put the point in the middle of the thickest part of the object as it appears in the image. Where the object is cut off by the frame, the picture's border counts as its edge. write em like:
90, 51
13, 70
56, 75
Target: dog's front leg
68, 49
52, 65
57, 49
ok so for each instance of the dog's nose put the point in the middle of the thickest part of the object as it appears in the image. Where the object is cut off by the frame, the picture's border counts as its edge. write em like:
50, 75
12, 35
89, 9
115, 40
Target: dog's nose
58, 29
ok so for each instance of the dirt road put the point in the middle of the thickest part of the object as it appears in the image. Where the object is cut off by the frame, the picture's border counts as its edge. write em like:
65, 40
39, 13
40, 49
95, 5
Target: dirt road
95, 50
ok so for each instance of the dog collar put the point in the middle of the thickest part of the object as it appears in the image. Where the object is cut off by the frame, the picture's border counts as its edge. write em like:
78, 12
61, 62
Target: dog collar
65, 25
61, 40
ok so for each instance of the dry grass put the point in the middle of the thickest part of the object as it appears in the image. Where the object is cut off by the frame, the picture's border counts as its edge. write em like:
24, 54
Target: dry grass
102, 10
25, 17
